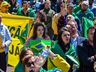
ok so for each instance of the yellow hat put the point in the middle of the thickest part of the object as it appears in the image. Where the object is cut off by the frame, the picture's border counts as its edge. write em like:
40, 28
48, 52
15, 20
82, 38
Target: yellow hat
4, 3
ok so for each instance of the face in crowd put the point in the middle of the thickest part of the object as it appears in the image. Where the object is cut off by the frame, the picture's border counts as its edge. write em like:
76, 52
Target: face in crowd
47, 4
91, 34
4, 7
30, 64
25, 52
40, 31
28, 59
70, 17
66, 37
70, 8
41, 17
25, 5
73, 27
84, 5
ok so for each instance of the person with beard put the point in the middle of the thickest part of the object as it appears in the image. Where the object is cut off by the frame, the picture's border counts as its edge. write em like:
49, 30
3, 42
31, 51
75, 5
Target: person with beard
64, 48
86, 52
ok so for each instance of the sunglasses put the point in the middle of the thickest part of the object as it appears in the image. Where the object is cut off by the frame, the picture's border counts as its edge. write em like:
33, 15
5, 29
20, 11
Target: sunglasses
28, 64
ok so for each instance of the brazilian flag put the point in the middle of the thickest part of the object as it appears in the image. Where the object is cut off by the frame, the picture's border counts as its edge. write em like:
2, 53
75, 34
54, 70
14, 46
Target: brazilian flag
38, 45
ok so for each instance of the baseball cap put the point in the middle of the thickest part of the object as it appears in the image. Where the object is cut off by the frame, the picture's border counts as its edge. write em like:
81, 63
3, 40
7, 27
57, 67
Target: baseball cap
4, 3
70, 5
85, 3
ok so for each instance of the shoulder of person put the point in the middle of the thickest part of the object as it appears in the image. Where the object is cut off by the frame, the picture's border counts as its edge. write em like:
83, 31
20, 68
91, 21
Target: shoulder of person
4, 26
79, 12
81, 38
83, 43
19, 9
52, 11
57, 15
56, 43
89, 11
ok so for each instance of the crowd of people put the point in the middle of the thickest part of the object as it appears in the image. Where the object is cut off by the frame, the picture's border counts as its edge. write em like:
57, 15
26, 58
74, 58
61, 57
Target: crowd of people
70, 24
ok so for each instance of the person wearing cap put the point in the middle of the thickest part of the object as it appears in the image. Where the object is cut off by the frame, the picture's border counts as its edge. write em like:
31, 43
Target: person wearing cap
86, 16
85, 11
70, 7
0, 3
4, 7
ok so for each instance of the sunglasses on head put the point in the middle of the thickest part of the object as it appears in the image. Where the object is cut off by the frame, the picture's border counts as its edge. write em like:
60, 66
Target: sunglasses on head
28, 64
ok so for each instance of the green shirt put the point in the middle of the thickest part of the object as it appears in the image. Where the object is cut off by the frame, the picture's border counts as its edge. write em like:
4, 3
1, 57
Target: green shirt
30, 12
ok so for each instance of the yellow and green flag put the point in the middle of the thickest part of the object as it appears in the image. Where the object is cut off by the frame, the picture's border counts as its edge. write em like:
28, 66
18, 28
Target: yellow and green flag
19, 27
38, 45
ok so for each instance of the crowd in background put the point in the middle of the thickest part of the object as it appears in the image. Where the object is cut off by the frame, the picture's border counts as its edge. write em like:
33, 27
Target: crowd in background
70, 24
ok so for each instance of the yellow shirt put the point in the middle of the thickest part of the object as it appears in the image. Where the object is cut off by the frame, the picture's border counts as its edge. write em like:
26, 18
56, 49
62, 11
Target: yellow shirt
58, 62
55, 22
2, 12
